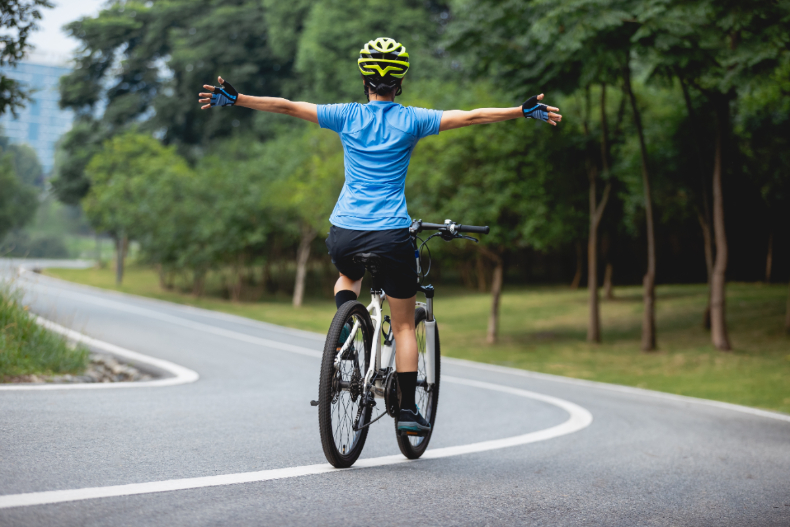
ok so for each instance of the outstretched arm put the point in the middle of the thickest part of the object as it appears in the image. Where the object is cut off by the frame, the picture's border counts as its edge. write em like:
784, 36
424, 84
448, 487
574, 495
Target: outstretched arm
227, 96
459, 118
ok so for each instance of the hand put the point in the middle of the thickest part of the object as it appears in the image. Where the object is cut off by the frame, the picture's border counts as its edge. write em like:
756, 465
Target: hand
532, 109
224, 95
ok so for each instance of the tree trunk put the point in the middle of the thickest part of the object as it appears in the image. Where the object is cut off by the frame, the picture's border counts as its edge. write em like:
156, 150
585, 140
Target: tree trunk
496, 293
98, 251
649, 280
302, 257
577, 278
718, 321
121, 246
769, 258
266, 276
198, 282
607, 282
481, 274
235, 287
704, 216
596, 212
708, 241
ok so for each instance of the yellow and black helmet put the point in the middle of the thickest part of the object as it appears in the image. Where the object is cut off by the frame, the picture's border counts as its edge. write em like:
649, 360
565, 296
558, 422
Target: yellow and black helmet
382, 58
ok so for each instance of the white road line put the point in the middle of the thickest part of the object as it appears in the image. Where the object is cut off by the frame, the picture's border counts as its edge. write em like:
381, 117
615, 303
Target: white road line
181, 375
461, 362
191, 324
579, 419
64, 285
617, 388
157, 315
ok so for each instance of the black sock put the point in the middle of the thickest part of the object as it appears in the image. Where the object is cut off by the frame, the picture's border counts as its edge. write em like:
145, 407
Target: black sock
341, 297
407, 381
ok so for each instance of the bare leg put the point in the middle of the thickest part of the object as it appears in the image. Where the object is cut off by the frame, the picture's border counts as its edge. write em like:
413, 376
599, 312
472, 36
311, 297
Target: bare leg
402, 311
346, 283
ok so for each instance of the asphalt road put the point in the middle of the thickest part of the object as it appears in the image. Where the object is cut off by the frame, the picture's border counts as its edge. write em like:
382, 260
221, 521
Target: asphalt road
645, 459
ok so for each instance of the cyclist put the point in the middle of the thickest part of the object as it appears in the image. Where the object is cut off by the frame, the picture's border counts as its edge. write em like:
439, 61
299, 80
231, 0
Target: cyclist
370, 215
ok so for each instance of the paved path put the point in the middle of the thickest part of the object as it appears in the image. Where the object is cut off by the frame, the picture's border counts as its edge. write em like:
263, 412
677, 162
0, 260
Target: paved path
645, 459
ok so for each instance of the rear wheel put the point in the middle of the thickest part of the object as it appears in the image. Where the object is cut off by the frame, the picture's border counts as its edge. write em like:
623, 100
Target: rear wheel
426, 397
340, 387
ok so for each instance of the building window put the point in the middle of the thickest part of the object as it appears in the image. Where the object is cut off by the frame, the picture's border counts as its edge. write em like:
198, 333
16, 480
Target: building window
35, 108
32, 132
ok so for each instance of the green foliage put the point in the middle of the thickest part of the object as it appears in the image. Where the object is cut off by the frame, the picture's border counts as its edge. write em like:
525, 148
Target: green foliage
123, 176
497, 175
26, 164
763, 126
334, 32
75, 150
22, 245
27, 348
256, 183
19, 18
18, 201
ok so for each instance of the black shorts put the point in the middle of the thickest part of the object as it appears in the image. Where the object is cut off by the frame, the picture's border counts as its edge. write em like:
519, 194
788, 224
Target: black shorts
394, 247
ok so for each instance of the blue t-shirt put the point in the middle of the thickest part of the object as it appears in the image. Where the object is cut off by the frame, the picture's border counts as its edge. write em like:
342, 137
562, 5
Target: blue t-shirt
378, 139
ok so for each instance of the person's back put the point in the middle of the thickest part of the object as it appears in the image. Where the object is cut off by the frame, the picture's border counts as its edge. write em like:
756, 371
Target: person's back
371, 216
378, 139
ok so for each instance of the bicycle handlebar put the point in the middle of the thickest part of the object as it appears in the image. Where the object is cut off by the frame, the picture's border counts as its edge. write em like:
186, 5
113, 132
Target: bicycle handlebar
473, 228
447, 226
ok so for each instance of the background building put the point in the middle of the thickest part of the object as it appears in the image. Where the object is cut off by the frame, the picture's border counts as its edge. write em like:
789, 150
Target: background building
41, 123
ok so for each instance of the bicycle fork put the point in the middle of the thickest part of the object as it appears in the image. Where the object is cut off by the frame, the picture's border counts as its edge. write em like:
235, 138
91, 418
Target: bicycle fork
430, 336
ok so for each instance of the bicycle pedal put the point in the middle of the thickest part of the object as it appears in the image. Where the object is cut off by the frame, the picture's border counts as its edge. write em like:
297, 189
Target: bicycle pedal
313, 403
410, 433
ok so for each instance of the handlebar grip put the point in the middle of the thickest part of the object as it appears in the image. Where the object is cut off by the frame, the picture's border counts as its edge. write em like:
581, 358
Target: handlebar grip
473, 228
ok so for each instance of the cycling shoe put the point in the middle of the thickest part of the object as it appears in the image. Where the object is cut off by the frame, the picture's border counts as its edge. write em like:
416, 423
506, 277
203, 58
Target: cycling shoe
412, 423
344, 333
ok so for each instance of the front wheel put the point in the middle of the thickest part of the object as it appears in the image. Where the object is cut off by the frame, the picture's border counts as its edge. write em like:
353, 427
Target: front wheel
340, 386
426, 397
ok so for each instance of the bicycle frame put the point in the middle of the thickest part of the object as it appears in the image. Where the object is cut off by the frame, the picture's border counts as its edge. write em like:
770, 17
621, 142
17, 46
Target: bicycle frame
385, 356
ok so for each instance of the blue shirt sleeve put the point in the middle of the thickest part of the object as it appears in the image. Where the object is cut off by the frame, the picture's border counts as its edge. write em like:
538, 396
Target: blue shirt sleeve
332, 116
426, 122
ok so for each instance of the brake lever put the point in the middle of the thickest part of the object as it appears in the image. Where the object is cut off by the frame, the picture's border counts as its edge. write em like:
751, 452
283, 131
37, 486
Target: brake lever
465, 237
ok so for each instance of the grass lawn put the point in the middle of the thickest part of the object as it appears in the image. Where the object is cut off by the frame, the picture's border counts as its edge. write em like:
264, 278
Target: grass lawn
543, 329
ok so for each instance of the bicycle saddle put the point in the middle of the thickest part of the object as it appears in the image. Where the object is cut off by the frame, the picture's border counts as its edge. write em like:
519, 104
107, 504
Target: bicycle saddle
371, 261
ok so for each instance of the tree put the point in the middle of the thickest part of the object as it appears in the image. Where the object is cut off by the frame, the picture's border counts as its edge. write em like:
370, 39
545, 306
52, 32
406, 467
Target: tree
332, 37
495, 175
762, 126
566, 46
74, 151
18, 18
308, 193
649, 280
26, 164
141, 63
718, 48
18, 201
121, 178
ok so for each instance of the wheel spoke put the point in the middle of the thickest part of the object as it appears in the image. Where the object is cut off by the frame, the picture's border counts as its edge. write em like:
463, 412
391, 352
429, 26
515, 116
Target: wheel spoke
345, 409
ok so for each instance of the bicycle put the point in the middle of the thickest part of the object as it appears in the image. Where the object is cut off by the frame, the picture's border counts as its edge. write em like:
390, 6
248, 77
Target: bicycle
350, 382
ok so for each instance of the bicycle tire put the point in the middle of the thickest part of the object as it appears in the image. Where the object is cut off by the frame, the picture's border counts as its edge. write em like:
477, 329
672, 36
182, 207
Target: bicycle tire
414, 446
337, 409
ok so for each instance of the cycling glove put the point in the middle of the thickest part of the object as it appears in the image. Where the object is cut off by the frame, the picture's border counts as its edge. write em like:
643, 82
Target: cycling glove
532, 109
224, 95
